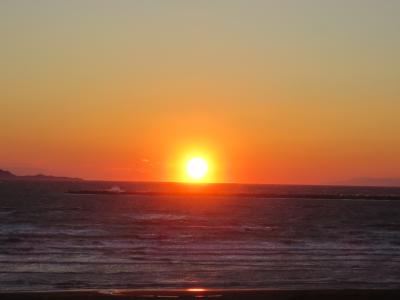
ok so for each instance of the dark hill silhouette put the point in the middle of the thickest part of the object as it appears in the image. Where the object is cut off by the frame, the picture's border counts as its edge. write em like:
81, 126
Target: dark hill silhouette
7, 175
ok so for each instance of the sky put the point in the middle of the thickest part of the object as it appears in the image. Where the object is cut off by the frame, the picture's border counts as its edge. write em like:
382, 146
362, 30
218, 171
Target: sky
268, 91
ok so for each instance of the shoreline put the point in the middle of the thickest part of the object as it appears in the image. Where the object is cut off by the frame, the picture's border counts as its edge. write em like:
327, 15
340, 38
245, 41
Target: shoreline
196, 293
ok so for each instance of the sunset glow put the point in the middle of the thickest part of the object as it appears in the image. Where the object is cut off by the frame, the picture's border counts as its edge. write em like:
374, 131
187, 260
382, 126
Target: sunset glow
281, 96
197, 168
225, 149
196, 290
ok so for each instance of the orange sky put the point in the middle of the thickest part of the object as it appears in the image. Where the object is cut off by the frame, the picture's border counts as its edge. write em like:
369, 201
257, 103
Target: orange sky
270, 92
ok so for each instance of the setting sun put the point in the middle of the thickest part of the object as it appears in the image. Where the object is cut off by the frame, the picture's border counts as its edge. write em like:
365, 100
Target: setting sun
197, 168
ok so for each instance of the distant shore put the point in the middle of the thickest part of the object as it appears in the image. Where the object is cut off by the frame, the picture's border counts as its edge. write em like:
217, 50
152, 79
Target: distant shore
223, 294
237, 195
7, 175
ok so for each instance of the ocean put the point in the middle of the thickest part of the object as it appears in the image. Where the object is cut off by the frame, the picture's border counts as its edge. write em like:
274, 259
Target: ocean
52, 240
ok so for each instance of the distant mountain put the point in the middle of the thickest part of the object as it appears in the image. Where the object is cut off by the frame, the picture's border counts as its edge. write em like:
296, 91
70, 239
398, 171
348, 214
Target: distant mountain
371, 181
7, 175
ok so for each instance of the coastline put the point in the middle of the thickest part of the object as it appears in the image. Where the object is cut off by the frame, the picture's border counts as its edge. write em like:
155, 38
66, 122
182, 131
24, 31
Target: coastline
196, 293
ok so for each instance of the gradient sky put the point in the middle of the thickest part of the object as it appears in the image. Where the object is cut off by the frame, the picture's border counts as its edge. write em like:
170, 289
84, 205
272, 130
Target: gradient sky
270, 91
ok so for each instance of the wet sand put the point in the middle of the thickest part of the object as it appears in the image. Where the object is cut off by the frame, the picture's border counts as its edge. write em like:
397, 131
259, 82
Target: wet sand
223, 294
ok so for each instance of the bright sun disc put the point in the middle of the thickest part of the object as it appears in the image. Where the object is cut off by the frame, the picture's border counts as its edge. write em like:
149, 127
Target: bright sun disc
197, 168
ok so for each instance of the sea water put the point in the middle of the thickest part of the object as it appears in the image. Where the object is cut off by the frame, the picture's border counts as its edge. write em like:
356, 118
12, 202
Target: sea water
52, 240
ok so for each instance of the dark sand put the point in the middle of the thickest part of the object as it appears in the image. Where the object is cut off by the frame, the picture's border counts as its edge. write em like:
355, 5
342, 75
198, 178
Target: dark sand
208, 294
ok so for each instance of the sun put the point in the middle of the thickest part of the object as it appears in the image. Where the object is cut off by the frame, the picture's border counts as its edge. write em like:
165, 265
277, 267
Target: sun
197, 168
